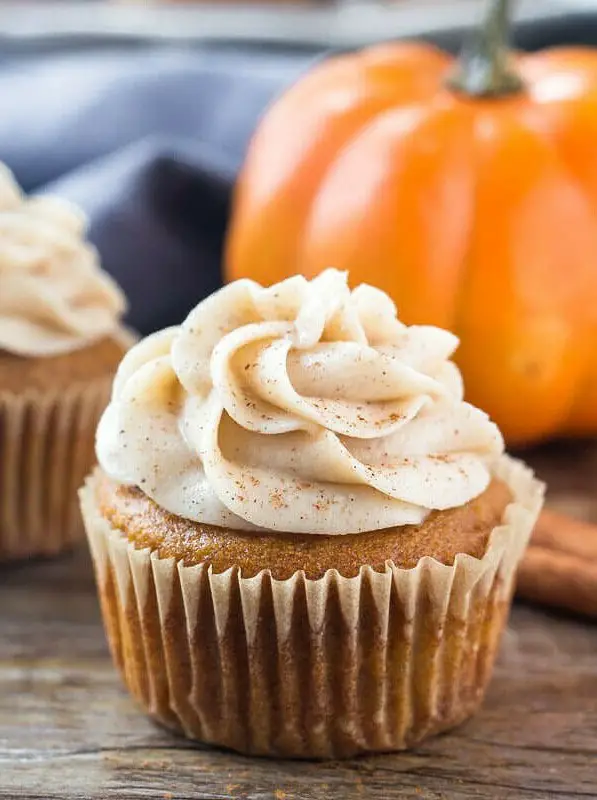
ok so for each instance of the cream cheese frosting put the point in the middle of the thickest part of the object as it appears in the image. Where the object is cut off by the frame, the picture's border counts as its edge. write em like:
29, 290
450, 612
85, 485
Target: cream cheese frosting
54, 297
305, 407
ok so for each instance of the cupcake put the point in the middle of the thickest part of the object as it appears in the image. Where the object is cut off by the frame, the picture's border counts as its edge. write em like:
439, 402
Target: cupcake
304, 539
60, 344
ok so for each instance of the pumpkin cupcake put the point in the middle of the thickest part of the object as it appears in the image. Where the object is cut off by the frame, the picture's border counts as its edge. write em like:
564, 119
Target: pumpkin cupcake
60, 344
304, 539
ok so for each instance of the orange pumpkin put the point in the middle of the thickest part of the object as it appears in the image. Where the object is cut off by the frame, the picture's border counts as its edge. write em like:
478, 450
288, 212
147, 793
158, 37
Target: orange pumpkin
468, 192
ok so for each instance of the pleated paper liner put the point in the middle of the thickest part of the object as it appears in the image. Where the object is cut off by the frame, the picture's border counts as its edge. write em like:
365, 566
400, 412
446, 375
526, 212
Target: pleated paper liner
47, 447
310, 668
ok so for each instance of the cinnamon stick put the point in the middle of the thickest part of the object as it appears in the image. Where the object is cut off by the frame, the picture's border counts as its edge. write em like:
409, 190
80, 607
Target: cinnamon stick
559, 568
558, 531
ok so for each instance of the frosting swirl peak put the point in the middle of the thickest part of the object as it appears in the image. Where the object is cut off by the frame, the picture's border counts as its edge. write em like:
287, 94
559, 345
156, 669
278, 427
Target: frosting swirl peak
54, 297
305, 407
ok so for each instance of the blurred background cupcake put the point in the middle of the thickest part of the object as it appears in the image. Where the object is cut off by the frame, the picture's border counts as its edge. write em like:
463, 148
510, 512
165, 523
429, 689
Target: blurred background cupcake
60, 341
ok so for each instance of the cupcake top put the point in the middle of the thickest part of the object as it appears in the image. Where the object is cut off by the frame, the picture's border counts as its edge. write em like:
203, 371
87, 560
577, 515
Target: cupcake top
54, 297
305, 407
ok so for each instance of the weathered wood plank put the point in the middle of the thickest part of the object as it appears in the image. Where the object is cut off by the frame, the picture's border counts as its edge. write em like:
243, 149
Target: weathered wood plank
68, 729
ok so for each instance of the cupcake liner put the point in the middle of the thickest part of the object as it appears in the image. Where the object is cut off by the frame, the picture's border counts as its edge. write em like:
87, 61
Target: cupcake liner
310, 668
47, 447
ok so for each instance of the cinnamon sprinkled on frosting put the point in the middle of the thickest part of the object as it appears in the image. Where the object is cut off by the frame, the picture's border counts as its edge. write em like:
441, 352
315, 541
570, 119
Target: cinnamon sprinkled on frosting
305, 407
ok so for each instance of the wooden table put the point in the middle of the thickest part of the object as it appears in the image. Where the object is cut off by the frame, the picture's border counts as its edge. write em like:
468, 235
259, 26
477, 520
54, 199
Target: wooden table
69, 730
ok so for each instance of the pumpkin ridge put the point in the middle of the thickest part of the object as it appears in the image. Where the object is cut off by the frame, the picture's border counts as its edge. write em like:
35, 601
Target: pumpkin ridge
349, 144
291, 246
585, 382
408, 131
533, 305
463, 285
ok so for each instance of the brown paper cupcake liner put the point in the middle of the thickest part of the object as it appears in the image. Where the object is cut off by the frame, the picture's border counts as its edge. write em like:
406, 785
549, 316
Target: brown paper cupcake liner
310, 668
47, 447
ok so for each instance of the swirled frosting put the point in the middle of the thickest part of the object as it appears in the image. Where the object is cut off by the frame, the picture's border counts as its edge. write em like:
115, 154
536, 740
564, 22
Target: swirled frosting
54, 297
303, 407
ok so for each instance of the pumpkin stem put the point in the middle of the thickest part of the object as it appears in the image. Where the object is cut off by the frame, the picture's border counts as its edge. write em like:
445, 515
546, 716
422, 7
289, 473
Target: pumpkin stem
484, 68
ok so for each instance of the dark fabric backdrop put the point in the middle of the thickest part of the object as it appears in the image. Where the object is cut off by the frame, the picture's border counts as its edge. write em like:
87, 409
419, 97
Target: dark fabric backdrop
148, 141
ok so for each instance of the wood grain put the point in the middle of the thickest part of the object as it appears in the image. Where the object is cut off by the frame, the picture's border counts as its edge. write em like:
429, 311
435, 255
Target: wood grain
68, 729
